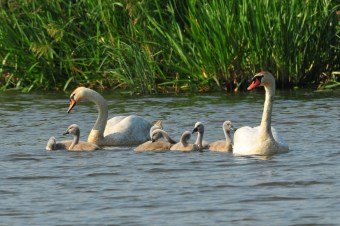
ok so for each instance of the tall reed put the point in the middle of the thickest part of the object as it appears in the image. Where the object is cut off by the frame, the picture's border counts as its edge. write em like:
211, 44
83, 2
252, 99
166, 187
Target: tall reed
148, 46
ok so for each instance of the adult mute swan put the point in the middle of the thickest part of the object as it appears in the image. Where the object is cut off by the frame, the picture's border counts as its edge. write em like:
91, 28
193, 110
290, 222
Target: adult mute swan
74, 145
183, 145
118, 131
155, 144
225, 145
261, 140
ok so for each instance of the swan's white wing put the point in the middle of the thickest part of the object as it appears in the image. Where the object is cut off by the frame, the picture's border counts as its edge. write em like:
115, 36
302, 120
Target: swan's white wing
127, 130
245, 138
279, 139
113, 121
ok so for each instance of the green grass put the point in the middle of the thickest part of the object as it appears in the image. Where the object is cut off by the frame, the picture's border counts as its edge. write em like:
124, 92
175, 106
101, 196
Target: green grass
160, 46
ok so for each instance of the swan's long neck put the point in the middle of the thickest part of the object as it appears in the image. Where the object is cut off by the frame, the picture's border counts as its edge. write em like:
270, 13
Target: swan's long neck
265, 127
96, 134
227, 136
74, 141
167, 137
199, 139
184, 139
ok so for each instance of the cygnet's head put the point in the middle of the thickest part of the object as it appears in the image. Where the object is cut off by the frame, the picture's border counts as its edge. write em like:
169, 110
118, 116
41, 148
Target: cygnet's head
156, 134
199, 127
73, 129
227, 126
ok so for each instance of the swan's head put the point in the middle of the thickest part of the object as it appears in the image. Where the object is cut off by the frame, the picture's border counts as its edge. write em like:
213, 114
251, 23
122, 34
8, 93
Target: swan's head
198, 128
263, 78
155, 135
73, 129
76, 96
157, 125
227, 126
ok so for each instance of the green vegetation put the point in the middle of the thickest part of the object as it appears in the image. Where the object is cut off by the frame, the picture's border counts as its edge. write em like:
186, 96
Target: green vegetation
159, 46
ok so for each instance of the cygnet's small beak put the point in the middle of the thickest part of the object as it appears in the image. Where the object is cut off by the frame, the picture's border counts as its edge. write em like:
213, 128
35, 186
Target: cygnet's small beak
195, 130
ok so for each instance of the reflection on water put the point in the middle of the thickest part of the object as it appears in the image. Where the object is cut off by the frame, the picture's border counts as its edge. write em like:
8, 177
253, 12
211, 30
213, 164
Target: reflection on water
119, 186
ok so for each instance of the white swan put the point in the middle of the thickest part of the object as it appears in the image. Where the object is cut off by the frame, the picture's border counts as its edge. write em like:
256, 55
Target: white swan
183, 145
118, 131
225, 145
261, 140
74, 145
155, 144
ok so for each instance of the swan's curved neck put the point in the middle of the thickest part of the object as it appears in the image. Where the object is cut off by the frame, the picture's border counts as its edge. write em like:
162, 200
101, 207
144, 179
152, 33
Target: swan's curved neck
97, 131
74, 141
184, 139
167, 137
227, 136
199, 139
265, 127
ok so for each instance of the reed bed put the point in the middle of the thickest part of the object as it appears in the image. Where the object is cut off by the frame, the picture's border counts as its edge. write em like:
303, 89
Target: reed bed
160, 46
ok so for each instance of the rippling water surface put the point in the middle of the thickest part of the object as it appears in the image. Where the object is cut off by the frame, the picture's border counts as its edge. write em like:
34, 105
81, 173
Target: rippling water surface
120, 187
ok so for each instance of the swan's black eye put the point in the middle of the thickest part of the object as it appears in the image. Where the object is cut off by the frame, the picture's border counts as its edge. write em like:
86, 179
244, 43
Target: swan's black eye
256, 77
259, 77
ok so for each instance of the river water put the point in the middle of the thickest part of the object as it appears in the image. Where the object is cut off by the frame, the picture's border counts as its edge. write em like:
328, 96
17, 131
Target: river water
117, 186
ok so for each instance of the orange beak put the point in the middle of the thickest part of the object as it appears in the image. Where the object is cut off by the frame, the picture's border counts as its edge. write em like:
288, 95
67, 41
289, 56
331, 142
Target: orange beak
255, 83
72, 104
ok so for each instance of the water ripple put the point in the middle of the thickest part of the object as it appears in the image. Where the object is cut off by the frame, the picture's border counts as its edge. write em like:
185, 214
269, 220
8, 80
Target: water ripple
121, 187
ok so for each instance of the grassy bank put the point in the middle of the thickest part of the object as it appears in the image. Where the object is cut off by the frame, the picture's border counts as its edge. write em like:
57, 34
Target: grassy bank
158, 46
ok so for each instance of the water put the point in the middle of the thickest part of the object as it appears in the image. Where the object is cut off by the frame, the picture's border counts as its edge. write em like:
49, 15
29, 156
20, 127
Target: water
117, 186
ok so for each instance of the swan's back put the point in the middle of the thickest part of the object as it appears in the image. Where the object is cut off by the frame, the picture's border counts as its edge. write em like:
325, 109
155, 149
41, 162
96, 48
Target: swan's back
84, 146
220, 145
188, 147
279, 139
61, 145
247, 137
158, 145
155, 144
127, 130
244, 139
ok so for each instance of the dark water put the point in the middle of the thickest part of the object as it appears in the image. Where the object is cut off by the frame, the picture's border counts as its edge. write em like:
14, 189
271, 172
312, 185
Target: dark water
117, 186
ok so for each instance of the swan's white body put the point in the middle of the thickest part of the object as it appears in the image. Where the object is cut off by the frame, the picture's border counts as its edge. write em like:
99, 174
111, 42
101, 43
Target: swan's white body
261, 140
119, 130
155, 144
225, 145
